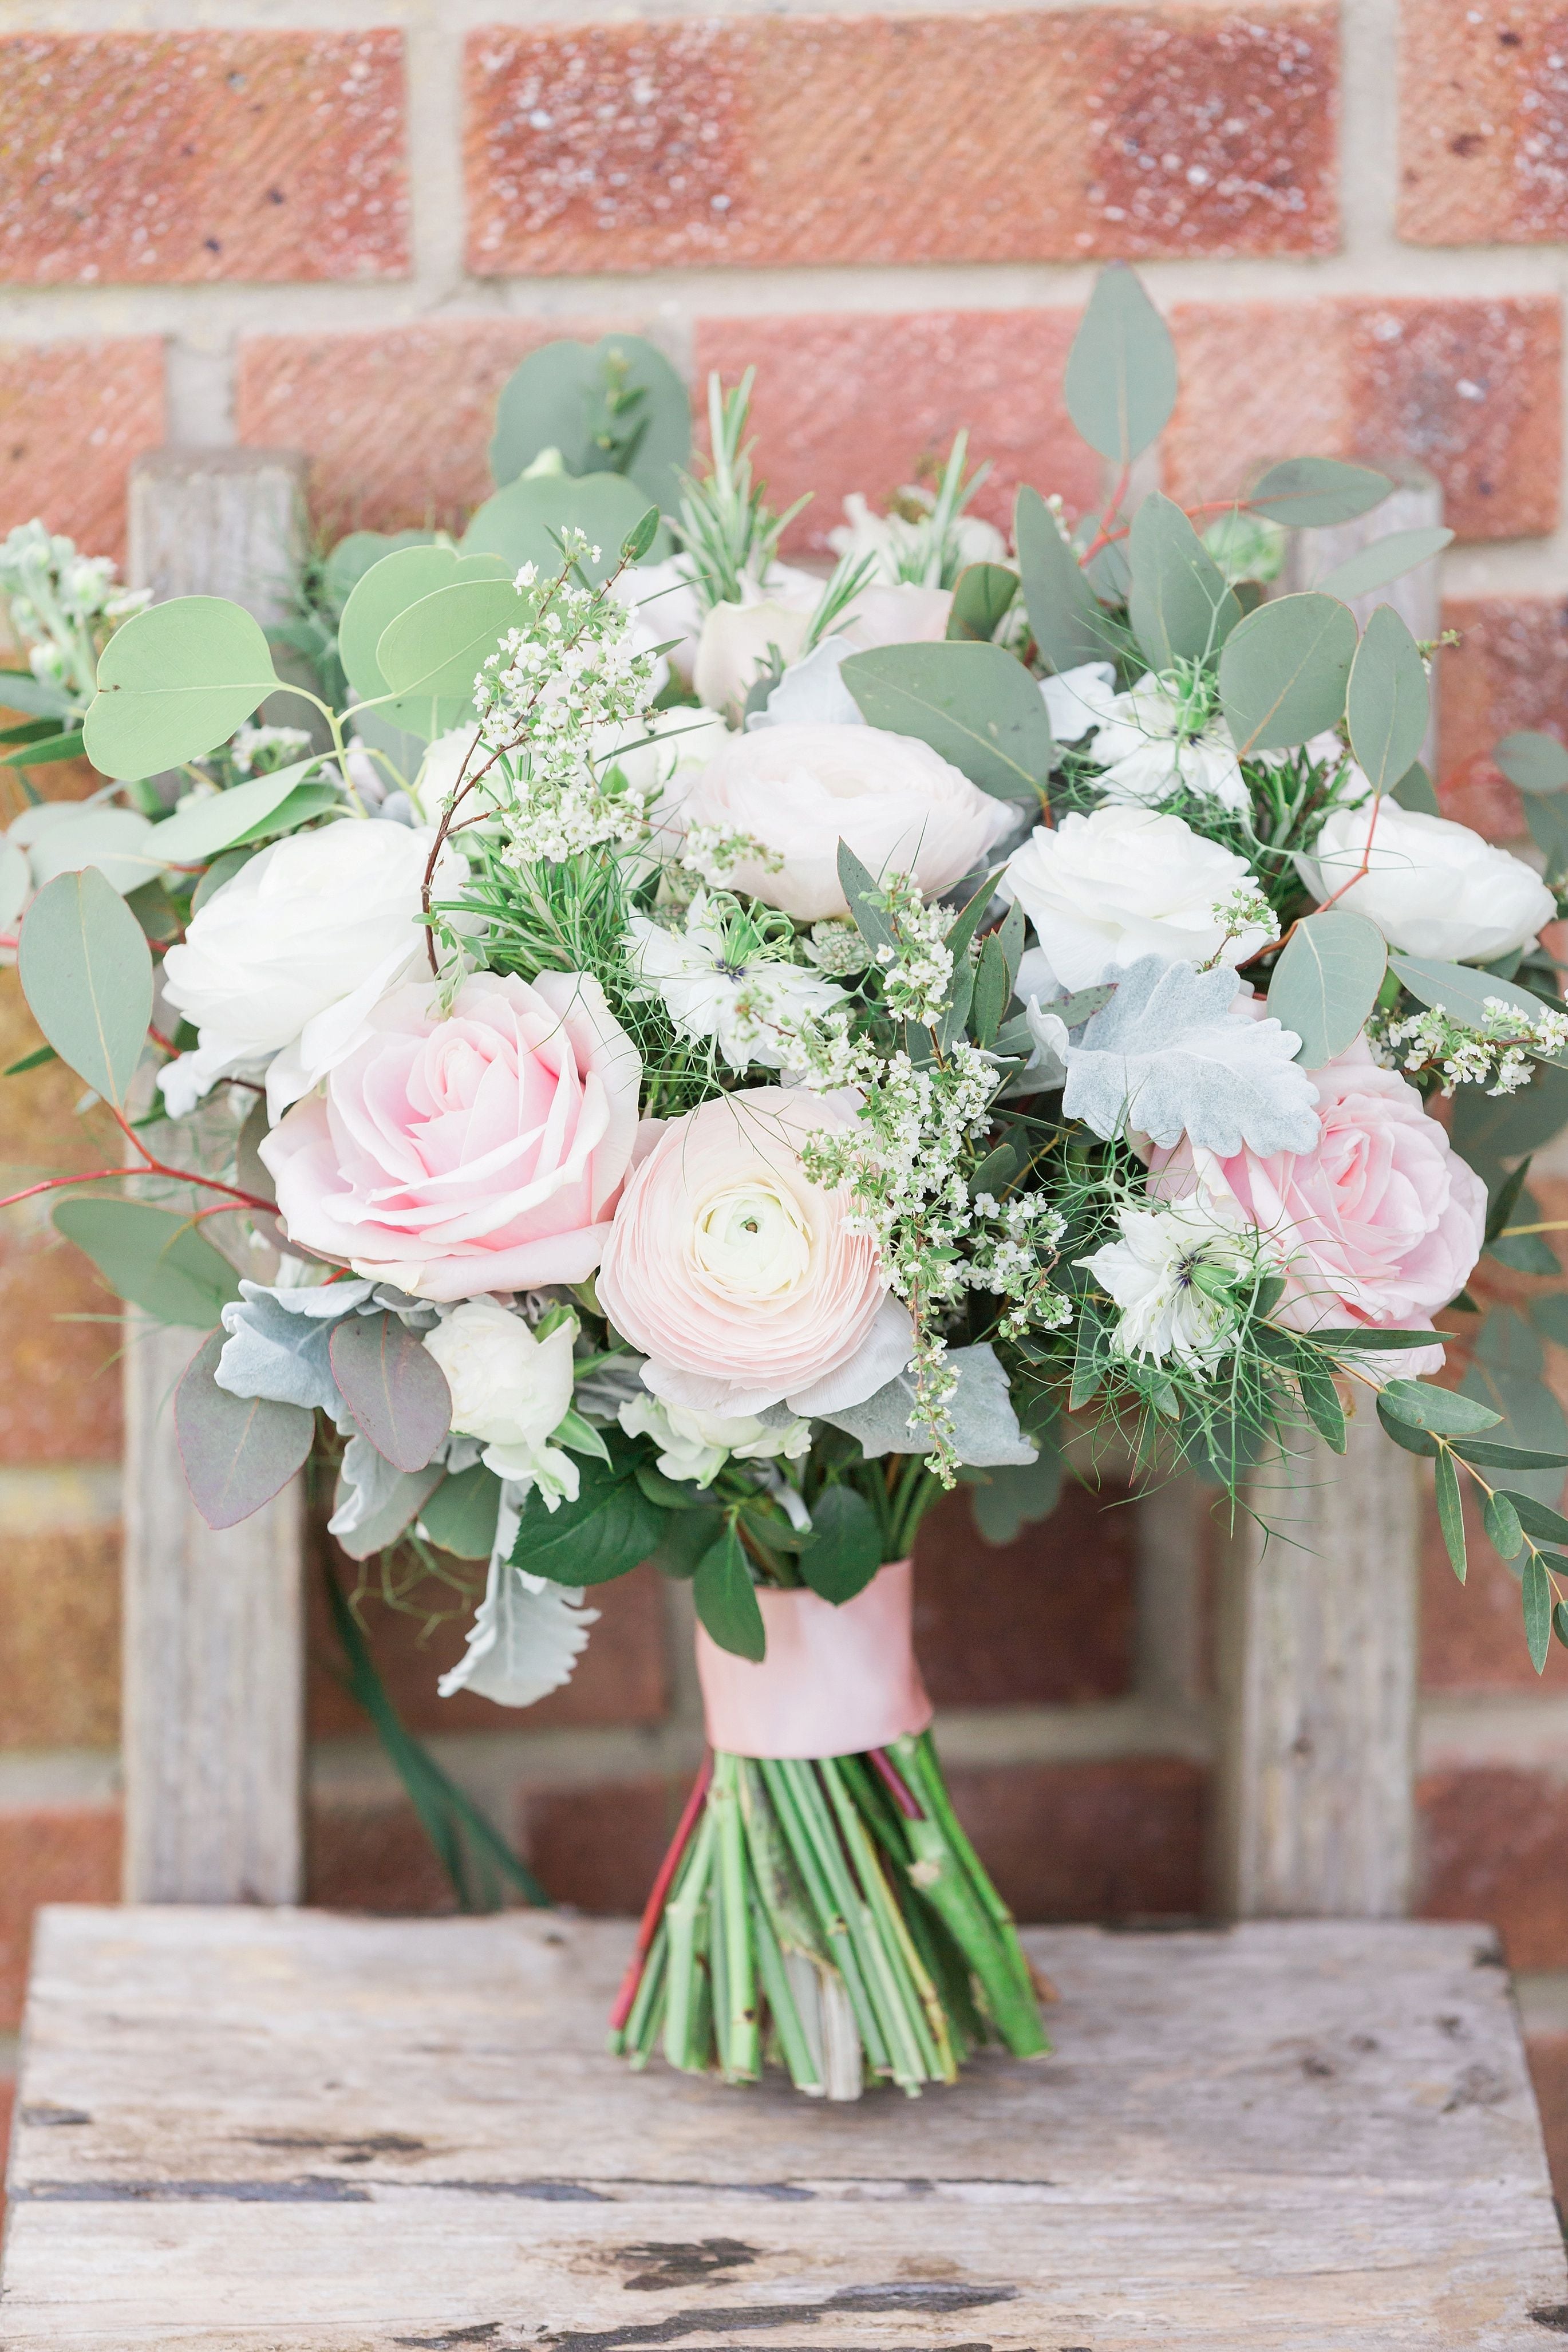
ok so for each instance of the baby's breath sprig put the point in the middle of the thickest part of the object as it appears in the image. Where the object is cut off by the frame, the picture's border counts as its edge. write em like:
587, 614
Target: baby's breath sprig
1467, 1054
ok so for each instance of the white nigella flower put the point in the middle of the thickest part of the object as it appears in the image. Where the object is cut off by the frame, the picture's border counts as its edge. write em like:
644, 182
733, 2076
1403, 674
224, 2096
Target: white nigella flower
696, 1445
1171, 1274
1079, 699
719, 977
1159, 739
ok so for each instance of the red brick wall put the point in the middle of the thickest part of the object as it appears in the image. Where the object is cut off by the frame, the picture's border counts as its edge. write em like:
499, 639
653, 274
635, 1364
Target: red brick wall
211, 234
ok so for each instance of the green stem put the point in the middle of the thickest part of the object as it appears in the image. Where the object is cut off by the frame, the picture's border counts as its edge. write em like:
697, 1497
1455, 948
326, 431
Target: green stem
830, 1904
741, 2033
683, 1915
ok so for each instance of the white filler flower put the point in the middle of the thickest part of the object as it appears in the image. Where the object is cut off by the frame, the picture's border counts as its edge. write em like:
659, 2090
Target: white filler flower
1172, 1275
511, 1391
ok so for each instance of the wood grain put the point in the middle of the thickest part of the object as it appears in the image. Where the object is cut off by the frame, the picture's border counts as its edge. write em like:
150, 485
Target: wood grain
250, 2132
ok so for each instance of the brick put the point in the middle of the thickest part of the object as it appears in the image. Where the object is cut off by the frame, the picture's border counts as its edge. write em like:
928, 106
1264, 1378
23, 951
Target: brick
372, 1856
1045, 1622
1483, 122
1493, 1841
621, 1677
59, 1666
74, 415
65, 1854
1469, 389
1118, 1840
60, 1398
7, 2099
1548, 2056
135, 158
1508, 671
782, 141
600, 1849
396, 423
868, 402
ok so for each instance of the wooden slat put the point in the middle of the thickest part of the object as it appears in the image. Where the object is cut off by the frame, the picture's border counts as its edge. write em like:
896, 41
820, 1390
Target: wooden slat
213, 1649
246, 2130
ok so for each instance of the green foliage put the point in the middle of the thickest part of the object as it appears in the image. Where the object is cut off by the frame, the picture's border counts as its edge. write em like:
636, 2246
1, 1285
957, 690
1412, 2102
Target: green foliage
173, 682
616, 406
1462, 989
1179, 606
1387, 559
975, 704
1387, 707
845, 1548
1326, 982
1121, 381
1536, 1594
1284, 670
1441, 1410
87, 974
156, 1258
460, 1516
1068, 623
1534, 763
391, 587
524, 523
1309, 492
432, 652
236, 1451
1451, 1513
604, 1534
1003, 1502
726, 1598
246, 812
983, 596
1414, 791
393, 1386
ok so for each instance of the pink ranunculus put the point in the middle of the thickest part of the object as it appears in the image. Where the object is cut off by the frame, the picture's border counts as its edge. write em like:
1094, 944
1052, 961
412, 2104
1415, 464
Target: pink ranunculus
1380, 1224
740, 1279
485, 1151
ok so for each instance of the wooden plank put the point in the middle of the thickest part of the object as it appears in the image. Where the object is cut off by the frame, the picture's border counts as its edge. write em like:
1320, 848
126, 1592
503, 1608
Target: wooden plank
240, 2130
213, 1736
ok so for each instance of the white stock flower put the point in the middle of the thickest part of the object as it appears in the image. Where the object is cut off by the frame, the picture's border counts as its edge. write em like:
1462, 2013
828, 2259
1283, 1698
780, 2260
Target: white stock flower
1433, 888
280, 967
714, 984
510, 1390
1079, 699
1104, 890
1150, 749
1156, 1275
696, 1445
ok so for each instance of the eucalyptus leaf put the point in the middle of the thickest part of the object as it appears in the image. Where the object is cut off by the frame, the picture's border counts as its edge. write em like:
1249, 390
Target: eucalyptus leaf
1443, 1410
172, 682
20, 690
983, 595
1180, 607
155, 1258
432, 652
977, 705
460, 1516
1326, 981
193, 835
1505, 1372
523, 524
87, 973
1385, 559
352, 557
1414, 791
393, 1386
44, 751
558, 400
236, 1451
1387, 706
1309, 493
1537, 1598
1533, 761
1462, 989
1451, 1513
1284, 670
118, 842
1005, 1500
1069, 624
1121, 381
402, 578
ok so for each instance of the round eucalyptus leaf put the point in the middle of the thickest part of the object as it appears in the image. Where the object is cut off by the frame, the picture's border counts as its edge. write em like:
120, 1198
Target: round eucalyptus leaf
975, 704
432, 652
1180, 607
1284, 669
1387, 706
352, 558
1387, 559
389, 587
156, 1258
614, 406
173, 682
524, 523
87, 974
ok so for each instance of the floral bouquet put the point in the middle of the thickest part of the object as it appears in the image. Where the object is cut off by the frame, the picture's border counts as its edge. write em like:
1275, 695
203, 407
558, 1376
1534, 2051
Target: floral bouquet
686, 1059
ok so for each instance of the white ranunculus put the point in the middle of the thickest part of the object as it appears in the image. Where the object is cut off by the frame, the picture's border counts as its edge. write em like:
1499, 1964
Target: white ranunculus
1104, 890
511, 1391
1433, 888
280, 967
668, 610
696, 1445
1163, 1274
897, 614
739, 643
1079, 699
1150, 751
798, 790
712, 986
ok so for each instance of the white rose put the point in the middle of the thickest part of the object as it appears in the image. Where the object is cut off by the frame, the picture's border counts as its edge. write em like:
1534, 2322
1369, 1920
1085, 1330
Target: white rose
1433, 888
1127, 882
1078, 699
737, 644
898, 616
1150, 751
282, 965
696, 1445
799, 791
511, 1391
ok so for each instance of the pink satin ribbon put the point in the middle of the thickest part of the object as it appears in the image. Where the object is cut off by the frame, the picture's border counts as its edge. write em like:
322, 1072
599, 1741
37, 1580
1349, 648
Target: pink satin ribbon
834, 1682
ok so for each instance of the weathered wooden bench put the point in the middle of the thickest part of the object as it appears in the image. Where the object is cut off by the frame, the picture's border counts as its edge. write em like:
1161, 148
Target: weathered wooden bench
241, 2129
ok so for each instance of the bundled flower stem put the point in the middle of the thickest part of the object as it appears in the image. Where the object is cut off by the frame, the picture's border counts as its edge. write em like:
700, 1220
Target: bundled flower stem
830, 1915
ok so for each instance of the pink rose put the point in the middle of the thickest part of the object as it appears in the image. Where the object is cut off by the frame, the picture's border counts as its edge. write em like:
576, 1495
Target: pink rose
481, 1152
800, 789
739, 1278
1382, 1224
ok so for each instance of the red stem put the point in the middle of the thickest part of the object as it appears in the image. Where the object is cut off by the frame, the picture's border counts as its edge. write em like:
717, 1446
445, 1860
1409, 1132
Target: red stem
897, 1787
648, 1926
